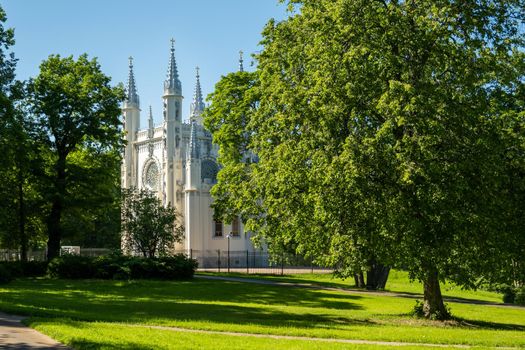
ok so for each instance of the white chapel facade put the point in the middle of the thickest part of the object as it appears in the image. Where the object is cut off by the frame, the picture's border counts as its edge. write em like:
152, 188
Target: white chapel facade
178, 161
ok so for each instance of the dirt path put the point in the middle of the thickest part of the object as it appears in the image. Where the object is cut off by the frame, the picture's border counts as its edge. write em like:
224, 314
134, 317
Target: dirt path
354, 291
15, 335
322, 340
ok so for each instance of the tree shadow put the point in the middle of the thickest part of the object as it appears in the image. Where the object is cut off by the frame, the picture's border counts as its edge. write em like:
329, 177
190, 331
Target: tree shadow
476, 324
206, 301
197, 301
83, 344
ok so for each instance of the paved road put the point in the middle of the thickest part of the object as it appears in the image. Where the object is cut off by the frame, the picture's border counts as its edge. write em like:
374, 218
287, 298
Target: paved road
15, 335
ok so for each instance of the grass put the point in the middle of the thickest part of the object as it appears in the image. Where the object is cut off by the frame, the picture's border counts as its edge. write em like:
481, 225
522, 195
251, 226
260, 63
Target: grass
105, 315
398, 282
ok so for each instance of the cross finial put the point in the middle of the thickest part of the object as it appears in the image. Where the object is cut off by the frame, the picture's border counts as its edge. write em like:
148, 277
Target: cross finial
172, 44
130, 58
197, 70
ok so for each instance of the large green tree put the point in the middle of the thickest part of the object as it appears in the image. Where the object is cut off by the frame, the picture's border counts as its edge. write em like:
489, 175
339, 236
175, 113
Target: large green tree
391, 131
19, 200
77, 109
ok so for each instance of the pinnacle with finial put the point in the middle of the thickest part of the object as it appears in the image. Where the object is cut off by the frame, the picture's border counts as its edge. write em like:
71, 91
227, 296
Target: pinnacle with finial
172, 80
150, 122
194, 144
132, 96
241, 66
197, 105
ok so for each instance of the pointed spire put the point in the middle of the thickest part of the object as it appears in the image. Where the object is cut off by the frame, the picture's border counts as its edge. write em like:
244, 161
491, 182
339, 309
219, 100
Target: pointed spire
197, 105
241, 66
193, 152
172, 80
150, 122
132, 97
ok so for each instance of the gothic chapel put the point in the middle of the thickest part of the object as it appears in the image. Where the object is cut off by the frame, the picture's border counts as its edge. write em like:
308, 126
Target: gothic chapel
178, 161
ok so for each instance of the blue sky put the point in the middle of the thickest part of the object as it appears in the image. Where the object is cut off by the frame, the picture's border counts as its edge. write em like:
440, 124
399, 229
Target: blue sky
208, 34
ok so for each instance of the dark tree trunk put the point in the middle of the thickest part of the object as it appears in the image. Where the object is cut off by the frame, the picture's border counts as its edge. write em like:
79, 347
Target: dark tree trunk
433, 306
376, 276
22, 217
359, 280
54, 227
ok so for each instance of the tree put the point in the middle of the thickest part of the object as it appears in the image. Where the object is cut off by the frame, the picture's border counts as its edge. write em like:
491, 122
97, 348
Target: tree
18, 199
91, 216
387, 130
148, 227
76, 108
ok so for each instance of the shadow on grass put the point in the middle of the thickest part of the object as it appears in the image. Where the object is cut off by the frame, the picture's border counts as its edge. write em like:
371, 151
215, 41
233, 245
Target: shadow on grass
83, 344
157, 302
489, 325
206, 301
305, 282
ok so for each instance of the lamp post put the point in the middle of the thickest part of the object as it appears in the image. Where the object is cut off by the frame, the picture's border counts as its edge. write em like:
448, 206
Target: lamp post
229, 235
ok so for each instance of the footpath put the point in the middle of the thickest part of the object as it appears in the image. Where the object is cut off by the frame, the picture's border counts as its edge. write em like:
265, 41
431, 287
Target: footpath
15, 335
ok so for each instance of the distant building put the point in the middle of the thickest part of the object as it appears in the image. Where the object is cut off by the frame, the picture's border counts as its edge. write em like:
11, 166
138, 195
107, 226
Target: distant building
178, 161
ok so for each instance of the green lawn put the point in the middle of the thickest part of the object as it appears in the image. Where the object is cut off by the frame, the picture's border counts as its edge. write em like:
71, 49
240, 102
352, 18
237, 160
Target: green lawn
114, 315
397, 282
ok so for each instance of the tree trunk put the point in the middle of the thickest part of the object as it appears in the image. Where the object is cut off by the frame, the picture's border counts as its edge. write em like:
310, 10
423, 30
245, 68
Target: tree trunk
54, 227
359, 280
22, 217
433, 306
376, 276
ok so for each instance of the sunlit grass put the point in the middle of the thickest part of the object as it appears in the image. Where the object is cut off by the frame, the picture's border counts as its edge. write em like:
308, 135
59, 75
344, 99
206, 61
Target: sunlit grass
398, 282
105, 336
248, 308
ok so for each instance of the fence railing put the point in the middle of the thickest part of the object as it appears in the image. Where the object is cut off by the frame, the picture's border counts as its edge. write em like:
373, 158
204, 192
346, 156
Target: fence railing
245, 261
241, 261
41, 255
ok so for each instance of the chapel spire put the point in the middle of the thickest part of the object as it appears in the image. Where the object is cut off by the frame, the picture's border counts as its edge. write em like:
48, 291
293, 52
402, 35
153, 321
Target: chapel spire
172, 82
197, 105
132, 97
150, 123
193, 152
241, 61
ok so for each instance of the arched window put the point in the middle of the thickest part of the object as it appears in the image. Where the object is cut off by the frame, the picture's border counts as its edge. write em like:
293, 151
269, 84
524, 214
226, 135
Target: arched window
236, 227
217, 229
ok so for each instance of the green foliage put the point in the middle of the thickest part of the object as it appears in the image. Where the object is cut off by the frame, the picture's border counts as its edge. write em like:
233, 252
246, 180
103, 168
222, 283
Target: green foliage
149, 227
71, 267
520, 296
122, 267
5, 274
386, 130
232, 104
419, 311
76, 110
19, 269
509, 293
91, 216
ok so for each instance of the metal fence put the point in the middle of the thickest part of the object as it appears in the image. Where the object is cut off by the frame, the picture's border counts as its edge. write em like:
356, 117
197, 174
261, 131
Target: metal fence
41, 255
240, 261
252, 262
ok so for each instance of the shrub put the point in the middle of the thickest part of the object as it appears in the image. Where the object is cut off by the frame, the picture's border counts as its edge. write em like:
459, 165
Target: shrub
520, 296
25, 269
177, 267
71, 267
123, 267
509, 293
34, 268
5, 274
